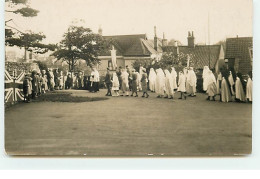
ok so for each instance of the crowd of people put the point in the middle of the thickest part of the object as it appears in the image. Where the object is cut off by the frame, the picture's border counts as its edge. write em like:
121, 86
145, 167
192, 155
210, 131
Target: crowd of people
166, 83
37, 83
126, 82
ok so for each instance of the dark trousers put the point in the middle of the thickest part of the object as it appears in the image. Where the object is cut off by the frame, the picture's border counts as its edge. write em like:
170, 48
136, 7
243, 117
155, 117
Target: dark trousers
109, 86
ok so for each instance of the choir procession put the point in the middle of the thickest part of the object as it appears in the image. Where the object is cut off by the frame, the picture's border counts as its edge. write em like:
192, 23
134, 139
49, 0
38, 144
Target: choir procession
126, 82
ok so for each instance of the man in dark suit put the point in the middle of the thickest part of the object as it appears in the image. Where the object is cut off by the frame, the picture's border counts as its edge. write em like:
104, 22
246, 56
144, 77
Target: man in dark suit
108, 81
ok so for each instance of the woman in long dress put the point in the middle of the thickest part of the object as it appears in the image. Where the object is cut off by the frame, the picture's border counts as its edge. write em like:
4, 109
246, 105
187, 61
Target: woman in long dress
181, 85
115, 84
239, 91
225, 91
249, 87
144, 83
174, 78
169, 90
212, 87
152, 80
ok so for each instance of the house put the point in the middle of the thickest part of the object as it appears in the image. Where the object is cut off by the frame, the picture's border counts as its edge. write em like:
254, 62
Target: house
201, 55
239, 54
129, 48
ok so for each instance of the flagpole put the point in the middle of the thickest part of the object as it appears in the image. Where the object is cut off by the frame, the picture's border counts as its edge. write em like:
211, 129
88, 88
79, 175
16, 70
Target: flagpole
209, 39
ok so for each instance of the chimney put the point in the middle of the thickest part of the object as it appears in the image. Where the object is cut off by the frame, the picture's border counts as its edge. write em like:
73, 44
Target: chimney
100, 31
191, 39
155, 39
164, 41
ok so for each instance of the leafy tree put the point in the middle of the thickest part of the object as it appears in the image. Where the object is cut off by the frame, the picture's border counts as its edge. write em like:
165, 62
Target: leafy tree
15, 37
80, 43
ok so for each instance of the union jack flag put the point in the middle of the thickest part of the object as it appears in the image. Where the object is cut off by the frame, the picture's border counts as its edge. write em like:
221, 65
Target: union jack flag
14, 86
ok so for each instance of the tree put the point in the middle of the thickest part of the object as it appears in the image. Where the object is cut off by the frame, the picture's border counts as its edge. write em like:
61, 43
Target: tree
80, 43
15, 37
172, 42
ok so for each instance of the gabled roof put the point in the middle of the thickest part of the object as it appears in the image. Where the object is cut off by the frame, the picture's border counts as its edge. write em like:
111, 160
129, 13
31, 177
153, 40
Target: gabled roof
200, 54
131, 45
238, 47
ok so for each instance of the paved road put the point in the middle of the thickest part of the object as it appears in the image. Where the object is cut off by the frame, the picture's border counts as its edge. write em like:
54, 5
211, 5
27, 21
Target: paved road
129, 126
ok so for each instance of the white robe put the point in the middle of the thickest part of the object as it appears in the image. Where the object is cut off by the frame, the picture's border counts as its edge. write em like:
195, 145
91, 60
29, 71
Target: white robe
174, 77
231, 82
181, 83
168, 83
152, 79
239, 90
204, 76
249, 89
160, 82
225, 93
191, 82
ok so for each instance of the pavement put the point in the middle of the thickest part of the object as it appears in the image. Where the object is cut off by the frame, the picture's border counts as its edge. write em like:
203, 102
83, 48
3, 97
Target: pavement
129, 126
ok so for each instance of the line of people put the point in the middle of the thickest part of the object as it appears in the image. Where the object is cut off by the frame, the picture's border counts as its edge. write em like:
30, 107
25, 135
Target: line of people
162, 82
229, 88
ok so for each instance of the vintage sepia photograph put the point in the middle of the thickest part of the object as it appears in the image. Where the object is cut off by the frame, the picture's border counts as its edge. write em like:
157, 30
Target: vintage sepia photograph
128, 78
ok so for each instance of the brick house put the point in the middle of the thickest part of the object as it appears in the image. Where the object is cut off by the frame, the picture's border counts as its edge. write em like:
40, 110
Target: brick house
239, 53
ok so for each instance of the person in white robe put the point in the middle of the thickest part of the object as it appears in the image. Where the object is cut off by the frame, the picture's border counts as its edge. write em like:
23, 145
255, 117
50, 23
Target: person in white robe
115, 84
225, 92
219, 79
212, 86
168, 85
160, 83
152, 80
204, 77
181, 85
239, 91
174, 78
231, 82
125, 83
191, 82
249, 87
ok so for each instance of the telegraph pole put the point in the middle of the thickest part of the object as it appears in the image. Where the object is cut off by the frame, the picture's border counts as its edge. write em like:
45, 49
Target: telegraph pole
209, 40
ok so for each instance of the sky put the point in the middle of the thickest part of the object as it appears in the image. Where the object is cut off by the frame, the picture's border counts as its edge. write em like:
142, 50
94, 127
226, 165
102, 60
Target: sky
219, 18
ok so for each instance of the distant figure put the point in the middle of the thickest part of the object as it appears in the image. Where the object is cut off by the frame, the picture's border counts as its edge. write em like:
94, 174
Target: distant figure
212, 86
169, 90
191, 82
44, 82
115, 84
129, 77
225, 91
27, 91
160, 83
219, 79
144, 81
181, 85
239, 91
249, 87
108, 82
125, 83
134, 79
152, 80
231, 83
204, 77
94, 78
174, 78
34, 84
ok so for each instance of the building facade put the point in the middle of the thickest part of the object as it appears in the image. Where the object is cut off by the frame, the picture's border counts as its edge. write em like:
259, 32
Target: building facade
239, 54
